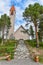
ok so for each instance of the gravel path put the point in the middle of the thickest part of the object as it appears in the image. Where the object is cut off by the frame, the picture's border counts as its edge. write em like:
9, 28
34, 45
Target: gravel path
21, 51
19, 62
21, 56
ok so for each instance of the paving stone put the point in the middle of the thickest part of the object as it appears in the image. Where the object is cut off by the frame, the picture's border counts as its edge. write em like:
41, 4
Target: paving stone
21, 50
21, 57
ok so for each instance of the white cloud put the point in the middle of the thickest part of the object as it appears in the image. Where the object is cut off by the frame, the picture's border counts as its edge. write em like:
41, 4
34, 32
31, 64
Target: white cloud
40, 1
19, 12
29, 2
4, 8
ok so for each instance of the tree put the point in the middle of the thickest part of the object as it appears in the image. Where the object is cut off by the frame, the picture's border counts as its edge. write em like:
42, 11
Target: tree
8, 25
31, 32
0, 26
4, 24
41, 28
31, 14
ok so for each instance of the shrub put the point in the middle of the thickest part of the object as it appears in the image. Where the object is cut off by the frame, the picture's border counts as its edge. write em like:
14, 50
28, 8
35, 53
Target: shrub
32, 43
8, 48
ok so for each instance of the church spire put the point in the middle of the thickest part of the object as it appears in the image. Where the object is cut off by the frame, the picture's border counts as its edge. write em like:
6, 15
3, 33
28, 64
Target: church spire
12, 20
12, 9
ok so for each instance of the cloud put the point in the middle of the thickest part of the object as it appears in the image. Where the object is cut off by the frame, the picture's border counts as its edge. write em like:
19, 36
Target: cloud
20, 6
40, 1
4, 6
18, 13
26, 3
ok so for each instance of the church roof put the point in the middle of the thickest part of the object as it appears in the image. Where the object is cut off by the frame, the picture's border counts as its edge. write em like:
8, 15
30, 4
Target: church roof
22, 28
12, 8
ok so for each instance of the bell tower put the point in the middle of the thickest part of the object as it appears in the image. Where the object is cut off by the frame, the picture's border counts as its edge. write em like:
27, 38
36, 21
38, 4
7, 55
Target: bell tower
12, 20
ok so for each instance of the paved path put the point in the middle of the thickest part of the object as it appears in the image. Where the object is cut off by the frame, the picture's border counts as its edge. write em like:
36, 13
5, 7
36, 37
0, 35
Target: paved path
21, 56
21, 51
19, 62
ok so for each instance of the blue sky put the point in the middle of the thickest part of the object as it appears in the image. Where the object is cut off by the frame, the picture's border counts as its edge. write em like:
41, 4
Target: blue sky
20, 6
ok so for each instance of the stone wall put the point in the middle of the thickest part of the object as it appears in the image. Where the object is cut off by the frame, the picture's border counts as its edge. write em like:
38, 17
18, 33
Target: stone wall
19, 34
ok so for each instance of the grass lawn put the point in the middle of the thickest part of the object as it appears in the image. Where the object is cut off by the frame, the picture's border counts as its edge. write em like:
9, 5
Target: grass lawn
8, 47
31, 44
41, 58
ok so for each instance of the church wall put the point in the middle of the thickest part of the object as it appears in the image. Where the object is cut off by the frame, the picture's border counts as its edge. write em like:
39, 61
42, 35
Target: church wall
21, 35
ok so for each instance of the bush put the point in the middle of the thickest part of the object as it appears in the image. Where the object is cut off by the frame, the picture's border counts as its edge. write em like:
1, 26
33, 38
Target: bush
41, 44
8, 48
33, 43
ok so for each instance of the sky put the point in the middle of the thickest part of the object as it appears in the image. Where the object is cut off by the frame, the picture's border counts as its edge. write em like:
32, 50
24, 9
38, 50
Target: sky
20, 6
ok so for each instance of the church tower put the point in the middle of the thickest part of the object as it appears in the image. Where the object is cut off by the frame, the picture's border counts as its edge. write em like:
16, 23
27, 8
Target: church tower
12, 20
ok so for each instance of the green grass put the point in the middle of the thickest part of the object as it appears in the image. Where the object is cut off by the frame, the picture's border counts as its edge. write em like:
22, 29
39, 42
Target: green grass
33, 43
41, 59
8, 47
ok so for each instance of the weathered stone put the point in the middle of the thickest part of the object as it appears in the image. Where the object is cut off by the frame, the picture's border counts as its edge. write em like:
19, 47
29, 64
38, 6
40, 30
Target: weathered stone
21, 51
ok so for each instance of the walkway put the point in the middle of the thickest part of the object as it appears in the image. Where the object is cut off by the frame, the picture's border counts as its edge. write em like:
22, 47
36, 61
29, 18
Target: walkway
21, 51
21, 56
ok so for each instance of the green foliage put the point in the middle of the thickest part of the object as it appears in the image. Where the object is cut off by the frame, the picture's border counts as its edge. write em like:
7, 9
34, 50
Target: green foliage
31, 14
4, 24
32, 43
8, 47
41, 59
31, 32
41, 27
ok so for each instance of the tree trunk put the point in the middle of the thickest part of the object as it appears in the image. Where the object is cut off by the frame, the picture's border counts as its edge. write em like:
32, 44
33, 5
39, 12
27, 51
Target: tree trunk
2, 36
6, 36
37, 40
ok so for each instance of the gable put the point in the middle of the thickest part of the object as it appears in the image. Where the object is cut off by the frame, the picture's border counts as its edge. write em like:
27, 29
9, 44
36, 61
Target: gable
20, 33
21, 28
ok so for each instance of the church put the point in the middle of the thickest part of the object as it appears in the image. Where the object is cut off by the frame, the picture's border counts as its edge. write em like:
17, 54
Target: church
20, 32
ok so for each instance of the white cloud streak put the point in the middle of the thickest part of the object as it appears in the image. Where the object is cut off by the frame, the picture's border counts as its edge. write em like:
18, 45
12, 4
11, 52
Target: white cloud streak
4, 8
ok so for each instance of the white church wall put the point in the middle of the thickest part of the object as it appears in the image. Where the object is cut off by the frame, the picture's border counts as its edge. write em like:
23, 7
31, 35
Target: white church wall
19, 34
